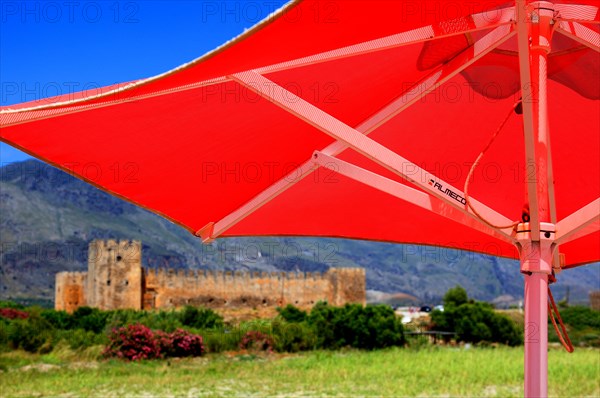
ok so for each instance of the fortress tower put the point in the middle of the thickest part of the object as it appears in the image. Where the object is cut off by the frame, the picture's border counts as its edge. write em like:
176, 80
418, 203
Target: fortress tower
114, 277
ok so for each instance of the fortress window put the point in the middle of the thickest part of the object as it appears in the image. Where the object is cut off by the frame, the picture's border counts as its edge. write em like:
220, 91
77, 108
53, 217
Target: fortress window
119, 258
108, 282
126, 282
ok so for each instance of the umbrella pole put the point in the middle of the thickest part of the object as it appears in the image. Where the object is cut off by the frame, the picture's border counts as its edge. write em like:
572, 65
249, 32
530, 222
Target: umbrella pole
536, 244
536, 335
537, 254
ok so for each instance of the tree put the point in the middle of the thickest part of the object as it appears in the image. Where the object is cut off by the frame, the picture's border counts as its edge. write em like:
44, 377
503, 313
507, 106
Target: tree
474, 322
455, 297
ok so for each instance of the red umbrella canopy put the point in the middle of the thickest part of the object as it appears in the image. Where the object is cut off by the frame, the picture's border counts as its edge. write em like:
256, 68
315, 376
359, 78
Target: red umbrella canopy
349, 119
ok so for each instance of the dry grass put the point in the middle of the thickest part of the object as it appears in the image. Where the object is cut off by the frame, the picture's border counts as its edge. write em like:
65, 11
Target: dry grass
443, 371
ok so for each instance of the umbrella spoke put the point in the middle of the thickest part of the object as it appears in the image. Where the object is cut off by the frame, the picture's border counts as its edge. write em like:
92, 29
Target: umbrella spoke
477, 22
210, 231
577, 13
581, 34
583, 222
406, 193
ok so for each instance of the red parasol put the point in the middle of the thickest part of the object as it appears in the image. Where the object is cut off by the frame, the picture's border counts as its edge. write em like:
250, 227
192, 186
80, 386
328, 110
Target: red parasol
413, 122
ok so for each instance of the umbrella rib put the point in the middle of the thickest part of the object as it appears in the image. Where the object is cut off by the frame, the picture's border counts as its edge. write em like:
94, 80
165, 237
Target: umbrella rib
581, 34
582, 222
406, 193
361, 143
438, 77
577, 13
426, 33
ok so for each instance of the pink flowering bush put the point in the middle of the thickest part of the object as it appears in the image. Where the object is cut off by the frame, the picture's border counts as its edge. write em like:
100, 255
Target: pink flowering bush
256, 341
133, 342
138, 342
11, 313
181, 343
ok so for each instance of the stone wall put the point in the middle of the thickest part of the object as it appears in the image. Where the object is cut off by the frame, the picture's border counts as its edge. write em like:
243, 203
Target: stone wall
164, 289
116, 279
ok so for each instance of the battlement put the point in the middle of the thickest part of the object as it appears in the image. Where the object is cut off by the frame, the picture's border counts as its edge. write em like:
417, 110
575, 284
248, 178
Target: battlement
65, 275
114, 244
201, 274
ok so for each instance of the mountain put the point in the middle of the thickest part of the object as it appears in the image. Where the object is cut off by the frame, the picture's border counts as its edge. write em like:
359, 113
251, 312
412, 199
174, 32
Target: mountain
48, 217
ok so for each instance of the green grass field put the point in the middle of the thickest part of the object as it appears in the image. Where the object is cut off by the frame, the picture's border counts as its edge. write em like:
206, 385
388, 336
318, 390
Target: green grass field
443, 371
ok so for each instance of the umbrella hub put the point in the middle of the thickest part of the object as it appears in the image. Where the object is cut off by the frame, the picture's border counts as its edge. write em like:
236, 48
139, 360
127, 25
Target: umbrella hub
533, 252
541, 20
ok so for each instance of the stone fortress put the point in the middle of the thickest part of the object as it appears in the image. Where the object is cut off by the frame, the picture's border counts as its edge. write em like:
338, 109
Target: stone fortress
116, 279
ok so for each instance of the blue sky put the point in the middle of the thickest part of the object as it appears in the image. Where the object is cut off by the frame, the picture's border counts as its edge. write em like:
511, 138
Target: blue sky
54, 47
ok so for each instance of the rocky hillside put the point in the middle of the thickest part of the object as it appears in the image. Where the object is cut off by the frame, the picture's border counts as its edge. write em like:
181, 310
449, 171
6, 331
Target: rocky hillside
48, 217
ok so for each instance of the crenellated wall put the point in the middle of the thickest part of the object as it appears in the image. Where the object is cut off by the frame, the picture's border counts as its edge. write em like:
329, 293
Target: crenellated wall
116, 279
167, 288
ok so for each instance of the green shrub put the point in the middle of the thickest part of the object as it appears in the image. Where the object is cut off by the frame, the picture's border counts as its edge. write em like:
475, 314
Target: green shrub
455, 297
369, 327
356, 326
11, 304
31, 334
322, 319
123, 317
583, 325
4, 334
293, 336
474, 322
220, 340
200, 318
90, 319
59, 319
167, 321
580, 317
79, 338
292, 314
